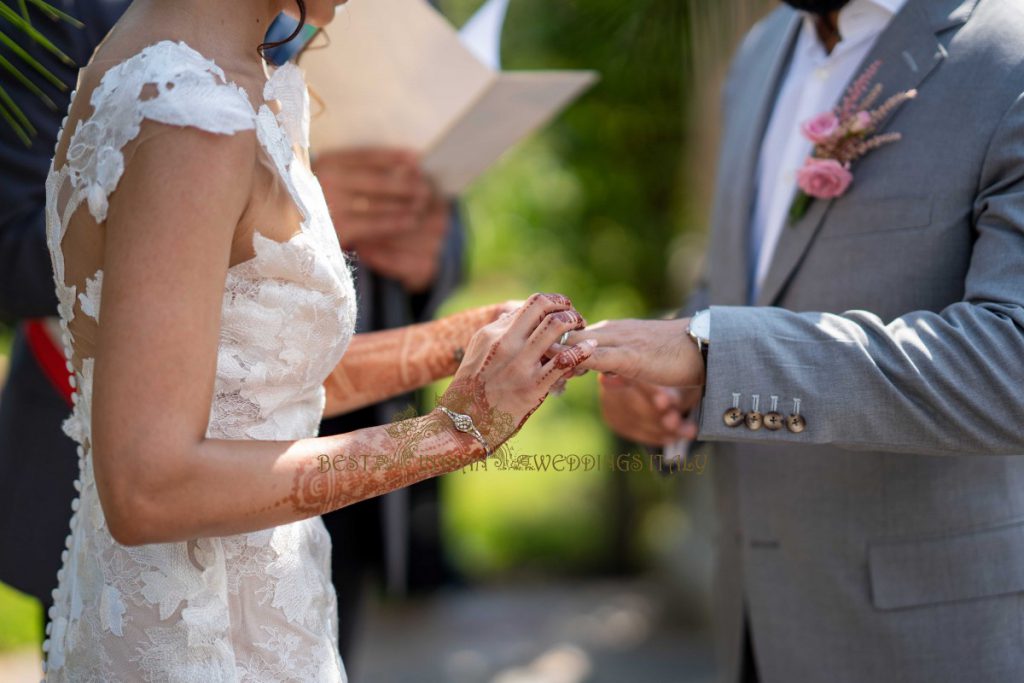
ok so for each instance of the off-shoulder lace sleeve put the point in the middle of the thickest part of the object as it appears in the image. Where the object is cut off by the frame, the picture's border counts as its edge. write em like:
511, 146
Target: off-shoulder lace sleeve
168, 83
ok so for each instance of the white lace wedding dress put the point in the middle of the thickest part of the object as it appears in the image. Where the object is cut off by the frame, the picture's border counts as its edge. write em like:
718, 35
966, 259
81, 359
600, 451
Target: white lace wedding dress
252, 607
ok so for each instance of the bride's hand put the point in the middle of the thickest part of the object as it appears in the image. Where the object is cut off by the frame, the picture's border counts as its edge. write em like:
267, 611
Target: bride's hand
507, 373
653, 351
463, 325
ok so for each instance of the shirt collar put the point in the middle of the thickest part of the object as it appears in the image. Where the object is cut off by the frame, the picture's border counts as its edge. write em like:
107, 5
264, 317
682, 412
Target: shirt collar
893, 6
858, 20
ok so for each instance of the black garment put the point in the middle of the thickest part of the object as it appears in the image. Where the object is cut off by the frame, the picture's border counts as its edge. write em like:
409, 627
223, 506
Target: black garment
748, 666
38, 464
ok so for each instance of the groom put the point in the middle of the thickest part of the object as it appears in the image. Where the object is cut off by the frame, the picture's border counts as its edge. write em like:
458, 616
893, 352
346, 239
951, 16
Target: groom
864, 367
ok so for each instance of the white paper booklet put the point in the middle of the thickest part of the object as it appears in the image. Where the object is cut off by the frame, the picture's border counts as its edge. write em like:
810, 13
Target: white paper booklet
396, 74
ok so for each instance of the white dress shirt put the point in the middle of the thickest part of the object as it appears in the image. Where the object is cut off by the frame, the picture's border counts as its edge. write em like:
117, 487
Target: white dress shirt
814, 83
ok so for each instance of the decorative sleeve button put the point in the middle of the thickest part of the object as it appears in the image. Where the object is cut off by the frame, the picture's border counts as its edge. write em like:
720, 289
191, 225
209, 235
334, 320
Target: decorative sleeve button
734, 416
755, 420
796, 422
773, 420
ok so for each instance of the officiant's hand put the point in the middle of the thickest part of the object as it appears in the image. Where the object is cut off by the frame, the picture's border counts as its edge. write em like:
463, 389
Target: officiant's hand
414, 258
386, 210
652, 351
647, 413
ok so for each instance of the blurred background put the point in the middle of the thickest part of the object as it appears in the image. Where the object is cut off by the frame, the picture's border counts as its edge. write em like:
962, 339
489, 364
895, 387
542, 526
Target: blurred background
564, 577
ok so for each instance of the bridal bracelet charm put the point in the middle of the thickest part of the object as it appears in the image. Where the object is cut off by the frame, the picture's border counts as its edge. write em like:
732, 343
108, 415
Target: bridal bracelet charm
464, 424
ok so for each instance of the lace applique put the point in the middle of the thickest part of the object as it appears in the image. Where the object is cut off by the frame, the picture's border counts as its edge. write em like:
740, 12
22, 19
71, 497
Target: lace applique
90, 300
193, 611
77, 425
191, 91
288, 87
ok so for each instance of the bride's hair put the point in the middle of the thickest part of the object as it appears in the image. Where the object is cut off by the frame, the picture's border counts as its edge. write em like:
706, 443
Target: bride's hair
298, 28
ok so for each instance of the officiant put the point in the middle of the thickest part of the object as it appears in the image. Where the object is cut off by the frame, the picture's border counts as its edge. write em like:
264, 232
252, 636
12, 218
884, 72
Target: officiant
408, 247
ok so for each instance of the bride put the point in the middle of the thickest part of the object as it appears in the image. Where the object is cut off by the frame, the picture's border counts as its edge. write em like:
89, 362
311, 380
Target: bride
206, 305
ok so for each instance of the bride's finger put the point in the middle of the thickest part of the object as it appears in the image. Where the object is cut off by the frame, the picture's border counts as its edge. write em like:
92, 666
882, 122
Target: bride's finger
537, 307
561, 384
566, 361
551, 330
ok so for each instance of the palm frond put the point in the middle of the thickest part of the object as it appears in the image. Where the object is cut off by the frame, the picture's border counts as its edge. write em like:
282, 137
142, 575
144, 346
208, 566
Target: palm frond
21, 21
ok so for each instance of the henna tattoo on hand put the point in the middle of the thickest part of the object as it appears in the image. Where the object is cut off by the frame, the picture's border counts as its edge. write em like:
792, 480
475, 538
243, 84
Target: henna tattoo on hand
377, 461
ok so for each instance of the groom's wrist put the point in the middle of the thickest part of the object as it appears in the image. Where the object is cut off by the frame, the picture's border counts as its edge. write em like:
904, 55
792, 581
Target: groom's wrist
698, 329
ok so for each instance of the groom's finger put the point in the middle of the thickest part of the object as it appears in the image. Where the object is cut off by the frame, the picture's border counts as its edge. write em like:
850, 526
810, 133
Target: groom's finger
688, 430
605, 359
629, 412
602, 332
666, 398
612, 382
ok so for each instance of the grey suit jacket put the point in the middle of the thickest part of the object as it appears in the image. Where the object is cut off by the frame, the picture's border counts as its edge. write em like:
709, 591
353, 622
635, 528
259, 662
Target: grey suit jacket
886, 541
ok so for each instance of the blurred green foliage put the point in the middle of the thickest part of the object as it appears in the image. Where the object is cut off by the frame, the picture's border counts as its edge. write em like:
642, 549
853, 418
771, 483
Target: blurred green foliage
590, 207
14, 21
22, 619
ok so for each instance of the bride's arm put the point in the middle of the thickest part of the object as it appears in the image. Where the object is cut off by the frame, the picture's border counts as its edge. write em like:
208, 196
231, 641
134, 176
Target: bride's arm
380, 365
167, 248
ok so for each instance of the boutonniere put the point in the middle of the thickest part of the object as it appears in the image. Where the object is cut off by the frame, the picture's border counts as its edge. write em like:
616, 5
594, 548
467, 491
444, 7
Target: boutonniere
841, 137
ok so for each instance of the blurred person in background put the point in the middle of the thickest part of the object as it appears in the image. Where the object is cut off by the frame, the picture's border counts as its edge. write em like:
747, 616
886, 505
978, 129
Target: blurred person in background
409, 244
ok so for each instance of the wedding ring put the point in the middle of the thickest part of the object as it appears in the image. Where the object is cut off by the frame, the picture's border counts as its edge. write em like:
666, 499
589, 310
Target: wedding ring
564, 339
360, 204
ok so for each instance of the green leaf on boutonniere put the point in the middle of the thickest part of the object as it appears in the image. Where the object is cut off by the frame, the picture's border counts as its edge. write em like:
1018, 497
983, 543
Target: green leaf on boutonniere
799, 208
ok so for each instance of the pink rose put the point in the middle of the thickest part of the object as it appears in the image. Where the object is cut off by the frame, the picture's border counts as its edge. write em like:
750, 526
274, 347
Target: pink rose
824, 178
821, 128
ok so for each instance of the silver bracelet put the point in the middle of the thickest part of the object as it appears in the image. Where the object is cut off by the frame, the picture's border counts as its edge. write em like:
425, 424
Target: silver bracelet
464, 424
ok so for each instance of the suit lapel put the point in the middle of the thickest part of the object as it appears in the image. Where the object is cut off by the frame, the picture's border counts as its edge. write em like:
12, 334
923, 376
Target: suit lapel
732, 284
909, 50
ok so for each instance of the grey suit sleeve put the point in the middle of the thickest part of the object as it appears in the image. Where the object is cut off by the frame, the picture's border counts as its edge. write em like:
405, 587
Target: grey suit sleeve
950, 382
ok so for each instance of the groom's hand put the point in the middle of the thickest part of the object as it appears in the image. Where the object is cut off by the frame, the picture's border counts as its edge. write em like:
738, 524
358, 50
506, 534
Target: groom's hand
651, 351
647, 413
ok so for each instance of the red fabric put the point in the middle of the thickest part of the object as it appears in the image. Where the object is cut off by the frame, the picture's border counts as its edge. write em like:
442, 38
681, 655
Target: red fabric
49, 357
